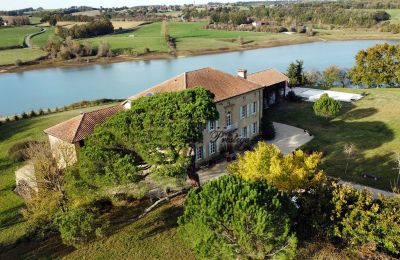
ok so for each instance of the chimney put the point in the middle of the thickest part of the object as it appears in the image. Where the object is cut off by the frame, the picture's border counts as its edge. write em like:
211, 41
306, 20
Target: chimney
242, 73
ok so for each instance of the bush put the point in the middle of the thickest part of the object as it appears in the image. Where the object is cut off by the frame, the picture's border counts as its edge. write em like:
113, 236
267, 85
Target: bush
16, 118
32, 113
104, 50
18, 63
360, 219
17, 152
231, 218
24, 115
75, 226
268, 130
292, 97
327, 107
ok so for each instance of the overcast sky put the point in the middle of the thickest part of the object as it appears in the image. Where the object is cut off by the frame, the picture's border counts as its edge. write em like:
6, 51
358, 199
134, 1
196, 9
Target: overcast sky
19, 4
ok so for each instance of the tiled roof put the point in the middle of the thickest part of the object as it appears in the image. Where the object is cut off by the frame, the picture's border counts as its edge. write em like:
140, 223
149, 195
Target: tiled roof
222, 84
79, 127
267, 77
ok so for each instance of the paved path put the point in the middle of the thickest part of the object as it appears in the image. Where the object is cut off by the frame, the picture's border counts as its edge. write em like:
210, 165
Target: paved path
28, 38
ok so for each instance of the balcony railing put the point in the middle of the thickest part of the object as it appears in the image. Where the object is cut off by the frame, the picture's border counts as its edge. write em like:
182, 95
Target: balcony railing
230, 128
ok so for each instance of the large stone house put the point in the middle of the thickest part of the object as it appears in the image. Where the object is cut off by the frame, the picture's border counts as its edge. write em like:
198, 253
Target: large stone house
240, 100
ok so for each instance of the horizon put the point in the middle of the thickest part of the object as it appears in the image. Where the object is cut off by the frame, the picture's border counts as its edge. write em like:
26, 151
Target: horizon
21, 4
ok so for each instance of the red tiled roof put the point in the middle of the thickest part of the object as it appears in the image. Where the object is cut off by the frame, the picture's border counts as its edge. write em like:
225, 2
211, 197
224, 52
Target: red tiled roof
267, 77
222, 84
79, 127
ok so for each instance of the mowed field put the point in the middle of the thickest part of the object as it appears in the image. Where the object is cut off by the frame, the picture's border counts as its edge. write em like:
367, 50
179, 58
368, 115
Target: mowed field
189, 37
8, 57
14, 36
394, 15
371, 124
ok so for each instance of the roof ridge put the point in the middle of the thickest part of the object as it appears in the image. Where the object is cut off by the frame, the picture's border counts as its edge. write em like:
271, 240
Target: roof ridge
264, 70
79, 126
100, 109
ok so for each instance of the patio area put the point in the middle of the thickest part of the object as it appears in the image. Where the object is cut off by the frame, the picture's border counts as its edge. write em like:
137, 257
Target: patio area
287, 139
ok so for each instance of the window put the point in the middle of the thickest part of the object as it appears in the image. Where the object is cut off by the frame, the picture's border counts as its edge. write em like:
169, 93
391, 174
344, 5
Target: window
243, 133
211, 125
228, 119
254, 108
212, 147
254, 128
243, 111
199, 153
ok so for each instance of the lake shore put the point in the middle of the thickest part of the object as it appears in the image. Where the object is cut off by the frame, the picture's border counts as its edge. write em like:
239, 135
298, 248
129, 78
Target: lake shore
90, 61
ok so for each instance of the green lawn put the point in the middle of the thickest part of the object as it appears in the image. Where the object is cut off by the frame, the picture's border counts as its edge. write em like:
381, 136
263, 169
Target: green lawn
42, 39
371, 124
394, 15
8, 57
12, 226
14, 36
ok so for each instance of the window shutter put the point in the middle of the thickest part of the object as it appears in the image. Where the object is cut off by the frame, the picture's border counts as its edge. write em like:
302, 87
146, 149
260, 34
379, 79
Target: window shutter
258, 106
248, 110
241, 112
248, 131
216, 124
204, 151
217, 148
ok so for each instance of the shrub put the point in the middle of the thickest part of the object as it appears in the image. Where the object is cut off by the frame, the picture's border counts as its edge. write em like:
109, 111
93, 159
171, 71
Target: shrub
17, 152
18, 63
146, 50
327, 107
41, 112
33, 113
104, 49
24, 115
232, 218
268, 130
16, 118
75, 226
292, 97
8, 120
292, 173
360, 219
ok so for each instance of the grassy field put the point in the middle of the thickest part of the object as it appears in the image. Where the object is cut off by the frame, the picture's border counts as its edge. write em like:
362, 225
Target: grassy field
42, 39
394, 15
189, 37
371, 124
11, 224
14, 36
8, 57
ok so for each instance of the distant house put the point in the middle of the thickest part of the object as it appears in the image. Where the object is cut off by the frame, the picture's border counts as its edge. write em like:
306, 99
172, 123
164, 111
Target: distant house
258, 24
240, 99
69, 136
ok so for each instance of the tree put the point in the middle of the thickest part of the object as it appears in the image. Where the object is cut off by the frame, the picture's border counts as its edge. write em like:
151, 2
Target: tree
291, 173
53, 21
378, 66
159, 130
331, 75
231, 218
295, 74
327, 107
313, 78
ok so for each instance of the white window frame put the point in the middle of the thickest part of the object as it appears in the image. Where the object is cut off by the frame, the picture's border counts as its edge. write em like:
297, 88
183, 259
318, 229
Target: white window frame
228, 118
254, 108
212, 147
243, 132
199, 153
211, 125
254, 128
243, 111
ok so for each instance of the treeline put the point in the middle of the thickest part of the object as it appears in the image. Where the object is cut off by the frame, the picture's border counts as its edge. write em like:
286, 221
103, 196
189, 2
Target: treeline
370, 4
17, 12
295, 14
66, 17
92, 29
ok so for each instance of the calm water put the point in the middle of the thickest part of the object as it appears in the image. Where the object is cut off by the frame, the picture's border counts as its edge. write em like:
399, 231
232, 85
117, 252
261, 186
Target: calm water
56, 87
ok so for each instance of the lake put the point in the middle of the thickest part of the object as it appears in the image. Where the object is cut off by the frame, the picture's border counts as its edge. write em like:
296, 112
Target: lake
56, 87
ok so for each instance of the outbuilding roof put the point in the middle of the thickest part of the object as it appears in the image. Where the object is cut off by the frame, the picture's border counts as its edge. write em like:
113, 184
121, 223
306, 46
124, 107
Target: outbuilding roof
79, 127
267, 77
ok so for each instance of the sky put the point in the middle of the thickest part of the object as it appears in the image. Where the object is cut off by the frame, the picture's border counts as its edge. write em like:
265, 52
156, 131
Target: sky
19, 4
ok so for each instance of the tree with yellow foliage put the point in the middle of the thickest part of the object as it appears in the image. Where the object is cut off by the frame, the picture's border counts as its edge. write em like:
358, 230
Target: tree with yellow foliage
291, 173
